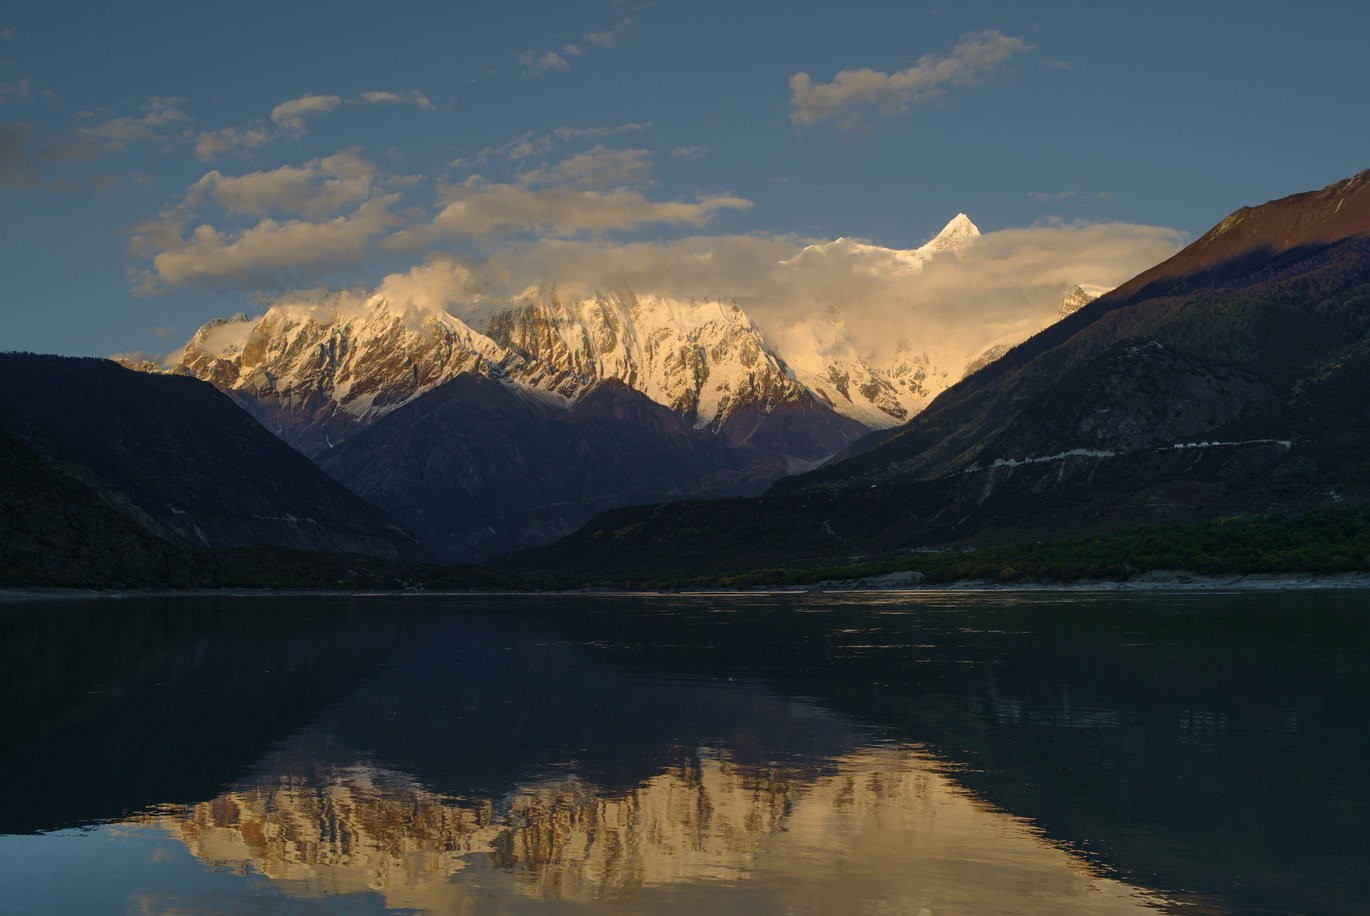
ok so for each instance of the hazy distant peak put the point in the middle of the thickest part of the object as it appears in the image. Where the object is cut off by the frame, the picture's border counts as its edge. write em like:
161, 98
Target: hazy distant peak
956, 234
1080, 296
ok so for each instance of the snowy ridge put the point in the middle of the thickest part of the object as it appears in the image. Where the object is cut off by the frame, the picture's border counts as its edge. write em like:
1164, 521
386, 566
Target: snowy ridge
820, 354
702, 359
340, 361
363, 361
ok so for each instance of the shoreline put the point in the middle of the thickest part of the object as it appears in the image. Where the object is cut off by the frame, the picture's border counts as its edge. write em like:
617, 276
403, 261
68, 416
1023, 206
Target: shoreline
1161, 580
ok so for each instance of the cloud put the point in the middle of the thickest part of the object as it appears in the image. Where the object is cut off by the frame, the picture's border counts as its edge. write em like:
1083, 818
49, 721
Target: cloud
335, 207
398, 98
21, 90
478, 209
27, 161
264, 255
1008, 284
854, 95
287, 120
212, 143
320, 187
19, 167
338, 209
598, 168
690, 152
607, 38
1060, 195
550, 60
1005, 286
1058, 64
160, 123
535, 63
289, 116
531, 144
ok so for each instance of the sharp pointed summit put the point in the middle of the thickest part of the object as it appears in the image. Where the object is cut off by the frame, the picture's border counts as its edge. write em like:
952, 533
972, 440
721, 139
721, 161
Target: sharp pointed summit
956, 234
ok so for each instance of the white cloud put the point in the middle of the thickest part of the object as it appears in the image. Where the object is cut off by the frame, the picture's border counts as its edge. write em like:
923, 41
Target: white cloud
531, 144
318, 188
398, 98
1043, 196
212, 143
853, 95
335, 207
690, 152
158, 123
289, 116
478, 209
549, 60
607, 38
342, 201
287, 120
1007, 285
598, 168
535, 63
263, 255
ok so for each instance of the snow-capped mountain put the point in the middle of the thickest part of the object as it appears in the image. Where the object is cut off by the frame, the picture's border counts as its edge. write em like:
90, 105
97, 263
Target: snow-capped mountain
316, 370
1080, 296
878, 393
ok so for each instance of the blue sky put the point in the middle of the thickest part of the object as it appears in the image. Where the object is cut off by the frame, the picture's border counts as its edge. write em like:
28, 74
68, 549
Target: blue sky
164, 164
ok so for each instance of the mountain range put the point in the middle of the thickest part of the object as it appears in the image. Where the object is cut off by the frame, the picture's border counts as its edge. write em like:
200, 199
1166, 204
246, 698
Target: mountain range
493, 424
317, 370
1230, 379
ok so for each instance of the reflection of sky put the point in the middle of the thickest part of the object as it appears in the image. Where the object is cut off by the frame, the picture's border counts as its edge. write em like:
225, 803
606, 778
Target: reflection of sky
882, 829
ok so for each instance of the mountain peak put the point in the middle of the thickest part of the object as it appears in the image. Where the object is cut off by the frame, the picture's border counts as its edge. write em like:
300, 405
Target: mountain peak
956, 234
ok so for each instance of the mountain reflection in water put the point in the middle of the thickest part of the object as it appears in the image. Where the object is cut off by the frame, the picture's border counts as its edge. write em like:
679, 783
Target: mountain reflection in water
930, 753
882, 829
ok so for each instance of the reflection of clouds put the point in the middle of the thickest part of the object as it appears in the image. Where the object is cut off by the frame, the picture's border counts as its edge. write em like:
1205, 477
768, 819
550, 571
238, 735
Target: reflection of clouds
878, 830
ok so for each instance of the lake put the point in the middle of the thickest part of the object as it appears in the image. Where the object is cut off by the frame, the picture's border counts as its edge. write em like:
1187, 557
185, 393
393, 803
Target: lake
892, 753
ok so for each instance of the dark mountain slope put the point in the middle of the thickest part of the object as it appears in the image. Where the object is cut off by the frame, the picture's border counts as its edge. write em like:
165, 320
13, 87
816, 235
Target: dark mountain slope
183, 460
1239, 386
54, 530
476, 468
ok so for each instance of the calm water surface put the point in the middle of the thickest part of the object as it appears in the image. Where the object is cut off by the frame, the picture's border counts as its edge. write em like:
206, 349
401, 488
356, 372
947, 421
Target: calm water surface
889, 754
